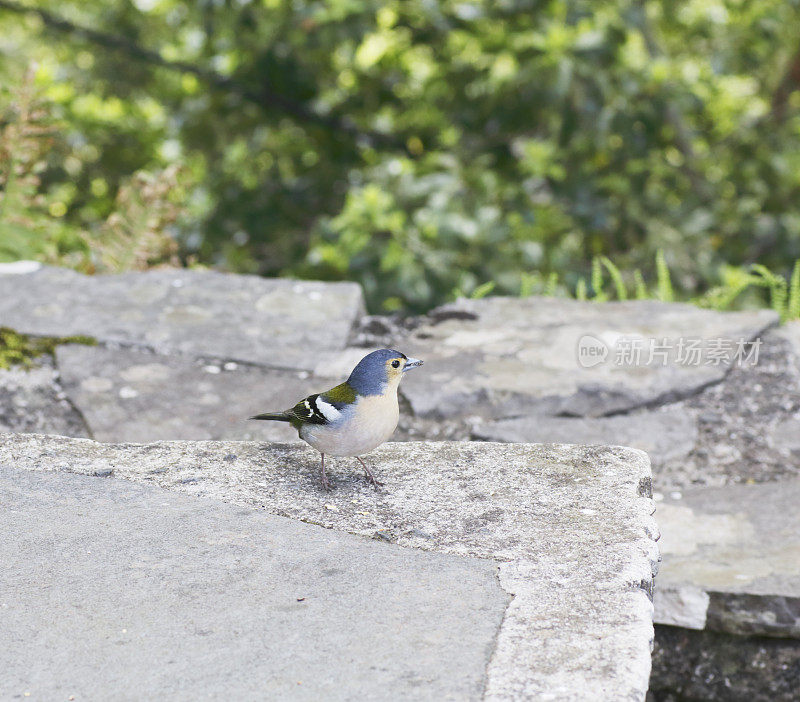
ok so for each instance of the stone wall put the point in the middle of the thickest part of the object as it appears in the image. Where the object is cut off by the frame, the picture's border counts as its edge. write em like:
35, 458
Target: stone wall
185, 355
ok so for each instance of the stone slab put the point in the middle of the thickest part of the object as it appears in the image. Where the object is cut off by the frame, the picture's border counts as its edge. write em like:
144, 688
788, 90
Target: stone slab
665, 435
130, 592
32, 401
270, 322
732, 560
570, 528
785, 436
127, 395
504, 357
791, 332
710, 666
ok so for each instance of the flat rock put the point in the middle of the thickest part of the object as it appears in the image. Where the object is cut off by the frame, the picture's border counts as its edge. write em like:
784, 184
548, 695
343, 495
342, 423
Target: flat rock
569, 529
271, 322
32, 401
504, 357
732, 560
126, 591
665, 435
127, 395
785, 436
791, 332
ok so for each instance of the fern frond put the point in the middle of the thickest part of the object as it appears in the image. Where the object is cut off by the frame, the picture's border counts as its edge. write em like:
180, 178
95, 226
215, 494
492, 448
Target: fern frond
482, 290
526, 284
778, 294
551, 285
599, 295
580, 290
639, 285
616, 277
663, 279
793, 303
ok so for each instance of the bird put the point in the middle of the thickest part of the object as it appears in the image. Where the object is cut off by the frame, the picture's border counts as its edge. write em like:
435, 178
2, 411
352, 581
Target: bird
355, 417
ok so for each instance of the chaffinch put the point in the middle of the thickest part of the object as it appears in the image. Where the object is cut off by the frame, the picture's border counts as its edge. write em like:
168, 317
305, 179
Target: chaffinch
355, 417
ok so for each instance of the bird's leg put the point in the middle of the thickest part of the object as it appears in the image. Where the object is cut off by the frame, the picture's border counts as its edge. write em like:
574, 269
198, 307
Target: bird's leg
368, 472
325, 482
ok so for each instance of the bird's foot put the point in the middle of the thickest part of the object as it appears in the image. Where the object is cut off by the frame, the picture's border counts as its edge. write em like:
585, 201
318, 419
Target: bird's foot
368, 474
371, 479
326, 484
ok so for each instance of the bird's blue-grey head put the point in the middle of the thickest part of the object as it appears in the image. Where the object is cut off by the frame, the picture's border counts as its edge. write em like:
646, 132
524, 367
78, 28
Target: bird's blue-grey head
378, 369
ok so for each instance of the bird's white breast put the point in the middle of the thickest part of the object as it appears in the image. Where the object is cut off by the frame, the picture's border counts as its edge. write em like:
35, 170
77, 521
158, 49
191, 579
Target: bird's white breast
361, 428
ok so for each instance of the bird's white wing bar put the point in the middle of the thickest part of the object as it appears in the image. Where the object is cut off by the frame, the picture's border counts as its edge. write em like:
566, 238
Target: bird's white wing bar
326, 409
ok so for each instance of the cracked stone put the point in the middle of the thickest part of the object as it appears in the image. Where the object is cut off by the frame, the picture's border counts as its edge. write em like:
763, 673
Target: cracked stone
566, 526
511, 356
731, 560
31, 400
270, 322
136, 396
665, 435
242, 604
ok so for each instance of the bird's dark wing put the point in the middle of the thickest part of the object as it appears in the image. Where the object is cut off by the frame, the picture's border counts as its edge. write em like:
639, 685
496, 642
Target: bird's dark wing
325, 407
307, 412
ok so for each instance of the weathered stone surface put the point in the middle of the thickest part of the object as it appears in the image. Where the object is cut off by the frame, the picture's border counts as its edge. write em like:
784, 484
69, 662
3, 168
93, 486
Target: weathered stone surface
32, 401
129, 395
570, 526
732, 560
785, 436
665, 435
708, 666
510, 356
272, 322
127, 591
739, 421
791, 332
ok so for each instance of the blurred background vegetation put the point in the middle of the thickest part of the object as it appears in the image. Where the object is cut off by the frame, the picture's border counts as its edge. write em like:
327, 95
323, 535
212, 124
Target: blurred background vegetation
424, 148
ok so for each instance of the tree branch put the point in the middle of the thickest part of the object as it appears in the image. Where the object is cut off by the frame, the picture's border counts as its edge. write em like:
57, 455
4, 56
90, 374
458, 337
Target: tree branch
263, 98
789, 83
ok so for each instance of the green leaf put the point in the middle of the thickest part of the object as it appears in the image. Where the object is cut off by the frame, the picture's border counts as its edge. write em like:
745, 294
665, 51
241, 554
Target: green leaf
482, 290
663, 278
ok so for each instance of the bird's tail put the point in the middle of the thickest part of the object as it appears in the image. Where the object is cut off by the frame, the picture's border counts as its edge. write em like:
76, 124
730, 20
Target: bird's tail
274, 417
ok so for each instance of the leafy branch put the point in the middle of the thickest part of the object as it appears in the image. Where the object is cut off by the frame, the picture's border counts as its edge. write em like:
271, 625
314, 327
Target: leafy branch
263, 97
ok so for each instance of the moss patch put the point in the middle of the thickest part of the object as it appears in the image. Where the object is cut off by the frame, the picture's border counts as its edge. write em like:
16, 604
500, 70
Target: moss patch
20, 349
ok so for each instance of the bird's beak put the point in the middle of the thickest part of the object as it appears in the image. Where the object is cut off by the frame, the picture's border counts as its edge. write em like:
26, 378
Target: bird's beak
411, 363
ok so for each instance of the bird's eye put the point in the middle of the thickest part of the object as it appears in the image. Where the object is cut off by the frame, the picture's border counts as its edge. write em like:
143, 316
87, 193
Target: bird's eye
395, 364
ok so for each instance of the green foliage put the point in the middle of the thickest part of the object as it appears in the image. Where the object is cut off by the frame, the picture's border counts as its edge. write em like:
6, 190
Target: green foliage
31, 216
665, 292
640, 287
597, 281
616, 277
482, 290
20, 350
581, 292
784, 297
517, 137
793, 303
134, 236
